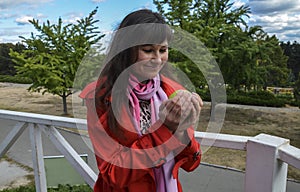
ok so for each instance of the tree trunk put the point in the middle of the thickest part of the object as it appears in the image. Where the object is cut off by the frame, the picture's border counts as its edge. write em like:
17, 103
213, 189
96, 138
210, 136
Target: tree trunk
64, 98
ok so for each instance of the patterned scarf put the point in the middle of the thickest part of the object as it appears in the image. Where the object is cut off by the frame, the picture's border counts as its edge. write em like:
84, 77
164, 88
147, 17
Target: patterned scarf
152, 92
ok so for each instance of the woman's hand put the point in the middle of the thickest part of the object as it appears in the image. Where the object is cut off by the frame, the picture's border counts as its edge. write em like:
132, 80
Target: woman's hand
181, 112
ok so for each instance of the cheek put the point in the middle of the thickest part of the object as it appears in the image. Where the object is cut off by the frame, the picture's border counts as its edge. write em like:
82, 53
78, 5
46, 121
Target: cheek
165, 57
142, 56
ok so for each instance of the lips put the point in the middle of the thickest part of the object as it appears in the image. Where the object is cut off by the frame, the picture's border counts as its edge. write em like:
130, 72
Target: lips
152, 68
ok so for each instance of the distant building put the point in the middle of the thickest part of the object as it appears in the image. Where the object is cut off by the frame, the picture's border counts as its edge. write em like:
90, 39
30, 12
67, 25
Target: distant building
281, 90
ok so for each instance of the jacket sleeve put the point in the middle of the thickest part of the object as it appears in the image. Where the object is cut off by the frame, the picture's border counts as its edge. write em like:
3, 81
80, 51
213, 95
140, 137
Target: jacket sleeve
190, 157
121, 165
191, 153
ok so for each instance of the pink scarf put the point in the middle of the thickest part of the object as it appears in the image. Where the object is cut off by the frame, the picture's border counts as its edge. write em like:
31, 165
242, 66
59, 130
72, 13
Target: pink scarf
153, 92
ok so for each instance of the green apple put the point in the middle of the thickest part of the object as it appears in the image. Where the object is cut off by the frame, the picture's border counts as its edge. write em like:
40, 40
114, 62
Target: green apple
175, 93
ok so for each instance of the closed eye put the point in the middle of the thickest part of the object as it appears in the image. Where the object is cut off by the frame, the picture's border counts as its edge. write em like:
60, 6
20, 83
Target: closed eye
147, 50
163, 50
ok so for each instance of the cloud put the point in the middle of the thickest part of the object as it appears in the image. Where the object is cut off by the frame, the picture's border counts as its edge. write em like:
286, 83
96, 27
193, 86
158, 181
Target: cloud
23, 20
7, 16
238, 3
10, 32
280, 17
72, 17
273, 6
7, 4
98, 1
41, 15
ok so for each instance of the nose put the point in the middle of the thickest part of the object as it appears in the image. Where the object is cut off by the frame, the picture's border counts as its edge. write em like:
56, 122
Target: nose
156, 58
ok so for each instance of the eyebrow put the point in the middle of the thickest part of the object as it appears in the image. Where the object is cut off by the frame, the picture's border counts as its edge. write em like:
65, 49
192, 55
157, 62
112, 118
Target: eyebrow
163, 45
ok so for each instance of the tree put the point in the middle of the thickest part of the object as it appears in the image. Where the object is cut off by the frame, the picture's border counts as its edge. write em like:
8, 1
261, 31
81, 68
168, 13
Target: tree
216, 23
6, 63
238, 49
244, 54
272, 60
293, 53
52, 57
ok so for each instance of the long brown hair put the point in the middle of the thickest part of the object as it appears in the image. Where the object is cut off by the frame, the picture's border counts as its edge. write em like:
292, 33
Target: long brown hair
150, 27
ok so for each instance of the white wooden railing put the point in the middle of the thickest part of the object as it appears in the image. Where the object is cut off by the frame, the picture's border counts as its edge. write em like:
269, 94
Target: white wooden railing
266, 163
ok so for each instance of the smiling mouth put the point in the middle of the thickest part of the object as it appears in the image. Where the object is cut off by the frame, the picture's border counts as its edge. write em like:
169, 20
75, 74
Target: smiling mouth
152, 67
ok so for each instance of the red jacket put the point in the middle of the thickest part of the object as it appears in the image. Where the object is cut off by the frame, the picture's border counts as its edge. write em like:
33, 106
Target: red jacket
112, 152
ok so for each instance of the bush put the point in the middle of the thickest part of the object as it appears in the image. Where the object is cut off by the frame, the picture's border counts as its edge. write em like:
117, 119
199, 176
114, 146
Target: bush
258, 98
295, 103
246, 100
263, 95
15, 79
204, 93
61, 188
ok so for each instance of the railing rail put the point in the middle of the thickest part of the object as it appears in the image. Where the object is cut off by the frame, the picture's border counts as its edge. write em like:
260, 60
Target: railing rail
266, 163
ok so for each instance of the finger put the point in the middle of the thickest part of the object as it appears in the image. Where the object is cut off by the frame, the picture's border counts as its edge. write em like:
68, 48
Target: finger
181, 101
197, 101
168, 118
184, 97
173, 109
195, 116
187, 107
196, 105
181, 104
198, 98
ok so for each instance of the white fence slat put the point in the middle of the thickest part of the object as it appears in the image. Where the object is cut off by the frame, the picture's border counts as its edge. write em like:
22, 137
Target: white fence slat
222, 140
290, 155
70, 154
37, 158
43, 119
11, 138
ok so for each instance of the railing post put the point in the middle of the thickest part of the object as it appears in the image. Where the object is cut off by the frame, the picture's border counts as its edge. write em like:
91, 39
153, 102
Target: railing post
37, 158
264, 172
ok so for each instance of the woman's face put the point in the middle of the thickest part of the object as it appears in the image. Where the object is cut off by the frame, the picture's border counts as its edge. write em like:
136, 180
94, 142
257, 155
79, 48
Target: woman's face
151, 59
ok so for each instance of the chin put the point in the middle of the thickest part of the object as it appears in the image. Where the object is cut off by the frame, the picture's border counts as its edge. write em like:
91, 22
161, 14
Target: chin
146, 75
150, 76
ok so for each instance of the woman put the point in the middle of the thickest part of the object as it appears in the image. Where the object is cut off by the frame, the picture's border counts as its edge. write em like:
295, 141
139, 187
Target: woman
140, 136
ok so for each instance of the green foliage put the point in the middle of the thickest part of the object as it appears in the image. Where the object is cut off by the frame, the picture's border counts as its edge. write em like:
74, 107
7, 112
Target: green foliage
89, 70
204, 93
15, 79
244, 100
6, 63
292, 50
192, 71
247, 56
259, 98
295, 103
297, 92
52, 57
61, 188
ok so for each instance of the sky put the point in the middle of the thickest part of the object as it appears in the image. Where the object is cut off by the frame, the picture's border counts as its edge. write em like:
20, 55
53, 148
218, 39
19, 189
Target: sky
277, 17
